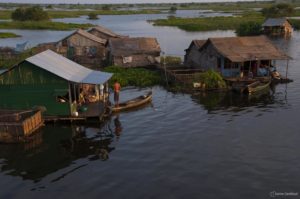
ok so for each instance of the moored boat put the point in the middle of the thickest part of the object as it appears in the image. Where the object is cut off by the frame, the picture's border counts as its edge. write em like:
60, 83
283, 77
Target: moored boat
133, 103
257, 86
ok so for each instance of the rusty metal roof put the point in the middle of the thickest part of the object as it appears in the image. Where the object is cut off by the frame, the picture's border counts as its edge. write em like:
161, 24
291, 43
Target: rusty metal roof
67, 69
106, 31
128, 46
240, 49
275, 22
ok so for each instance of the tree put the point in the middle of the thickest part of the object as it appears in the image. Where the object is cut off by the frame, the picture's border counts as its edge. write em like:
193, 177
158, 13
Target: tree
34, 13
279, 10
93, 16
249, 29
173, 9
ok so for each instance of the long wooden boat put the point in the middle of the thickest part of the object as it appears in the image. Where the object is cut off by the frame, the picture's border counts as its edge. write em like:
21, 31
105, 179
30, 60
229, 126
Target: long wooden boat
257, 86
133, 103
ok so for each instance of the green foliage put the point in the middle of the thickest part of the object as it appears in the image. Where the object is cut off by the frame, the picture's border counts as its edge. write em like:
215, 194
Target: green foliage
106, 7
249, 29
8, 35
133, 76
279, 10
42, 25
34, 13
211, 79
93, 16
169, 60
209, 23
173, 9
295, 23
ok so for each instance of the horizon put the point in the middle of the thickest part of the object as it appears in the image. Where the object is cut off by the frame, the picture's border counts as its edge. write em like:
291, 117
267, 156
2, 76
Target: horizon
120, 1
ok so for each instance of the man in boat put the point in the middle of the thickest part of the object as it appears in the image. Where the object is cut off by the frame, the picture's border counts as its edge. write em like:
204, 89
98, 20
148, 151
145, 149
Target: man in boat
117, 88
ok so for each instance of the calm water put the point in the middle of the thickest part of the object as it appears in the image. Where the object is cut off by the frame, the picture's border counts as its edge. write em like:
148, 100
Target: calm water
216, 145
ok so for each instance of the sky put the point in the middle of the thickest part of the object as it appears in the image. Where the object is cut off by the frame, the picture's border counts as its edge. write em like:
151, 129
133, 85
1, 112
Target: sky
112, 1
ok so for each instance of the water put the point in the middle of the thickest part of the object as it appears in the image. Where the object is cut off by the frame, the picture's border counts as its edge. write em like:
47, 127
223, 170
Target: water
132, 25
213, 145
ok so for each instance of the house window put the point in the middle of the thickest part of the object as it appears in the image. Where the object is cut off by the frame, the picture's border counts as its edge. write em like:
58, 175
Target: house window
227, 63
219, 62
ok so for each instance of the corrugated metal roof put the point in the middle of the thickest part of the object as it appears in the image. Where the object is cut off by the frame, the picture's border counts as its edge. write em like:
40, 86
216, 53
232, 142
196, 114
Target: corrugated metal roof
67, 69
275, 22
3, 71
240, 49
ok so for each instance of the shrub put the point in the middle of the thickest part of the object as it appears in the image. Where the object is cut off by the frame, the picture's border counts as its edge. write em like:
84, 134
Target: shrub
279, 10
249, 29
34, 13
92, 16
211, 79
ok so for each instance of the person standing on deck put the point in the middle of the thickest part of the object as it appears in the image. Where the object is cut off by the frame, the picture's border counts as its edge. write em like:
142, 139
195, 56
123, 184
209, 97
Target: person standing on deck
117, 88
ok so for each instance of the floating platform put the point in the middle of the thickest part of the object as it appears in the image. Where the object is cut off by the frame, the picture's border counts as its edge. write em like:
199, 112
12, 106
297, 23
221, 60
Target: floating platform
19, 126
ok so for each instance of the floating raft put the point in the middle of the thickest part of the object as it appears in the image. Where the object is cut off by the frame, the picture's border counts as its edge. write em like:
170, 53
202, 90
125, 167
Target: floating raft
19, 126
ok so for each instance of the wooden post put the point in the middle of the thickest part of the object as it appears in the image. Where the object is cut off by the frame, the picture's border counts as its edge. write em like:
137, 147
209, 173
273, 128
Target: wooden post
287, 68
70, 98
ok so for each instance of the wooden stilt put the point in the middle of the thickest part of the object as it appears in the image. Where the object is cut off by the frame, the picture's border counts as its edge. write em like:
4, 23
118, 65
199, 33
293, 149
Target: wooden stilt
287, 68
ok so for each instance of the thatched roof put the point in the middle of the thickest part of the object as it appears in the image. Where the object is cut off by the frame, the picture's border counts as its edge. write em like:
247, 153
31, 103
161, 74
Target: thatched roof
240, 49
275, 22
105, 31
87, 35
138, 45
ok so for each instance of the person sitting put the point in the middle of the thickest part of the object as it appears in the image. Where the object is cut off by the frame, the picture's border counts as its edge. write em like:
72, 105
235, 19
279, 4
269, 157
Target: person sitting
81, 99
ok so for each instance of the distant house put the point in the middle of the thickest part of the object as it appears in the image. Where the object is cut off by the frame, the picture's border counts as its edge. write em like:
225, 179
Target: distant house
133, 52
84, 48
233, 55
103, 33
52, 81
277, 26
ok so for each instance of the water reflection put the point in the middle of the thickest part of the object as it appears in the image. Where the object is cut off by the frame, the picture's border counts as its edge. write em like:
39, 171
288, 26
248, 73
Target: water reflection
215, 102
57, 147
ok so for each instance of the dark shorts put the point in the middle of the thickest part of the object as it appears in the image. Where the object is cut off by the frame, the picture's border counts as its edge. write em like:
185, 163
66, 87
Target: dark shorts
116, 96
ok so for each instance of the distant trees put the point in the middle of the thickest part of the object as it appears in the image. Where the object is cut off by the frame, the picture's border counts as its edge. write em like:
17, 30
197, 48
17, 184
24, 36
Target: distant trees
249, 29
34, 13
93, 16
279, 10
173, 9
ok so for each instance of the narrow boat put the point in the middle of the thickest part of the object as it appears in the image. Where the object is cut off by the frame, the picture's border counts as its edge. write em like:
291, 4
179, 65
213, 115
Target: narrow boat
133, 103
257, 86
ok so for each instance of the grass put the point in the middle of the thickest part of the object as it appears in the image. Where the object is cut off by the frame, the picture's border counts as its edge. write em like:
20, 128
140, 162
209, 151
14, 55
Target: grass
8, 35
42, 25
210, 23
138, 77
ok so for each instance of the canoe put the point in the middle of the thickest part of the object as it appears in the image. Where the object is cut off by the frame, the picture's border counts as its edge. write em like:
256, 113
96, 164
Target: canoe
257, 86
133, 103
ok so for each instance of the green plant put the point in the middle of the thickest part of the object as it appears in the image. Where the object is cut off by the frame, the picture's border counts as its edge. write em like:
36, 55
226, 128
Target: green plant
92, 16
249, 29
279, 10
139, 77
34, 13
210, 80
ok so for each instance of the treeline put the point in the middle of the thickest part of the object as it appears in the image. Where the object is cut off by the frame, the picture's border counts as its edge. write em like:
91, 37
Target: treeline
34, 13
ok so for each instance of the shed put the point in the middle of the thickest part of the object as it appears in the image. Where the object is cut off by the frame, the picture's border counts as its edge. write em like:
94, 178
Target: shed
277, 26
133, 52
84, 48
52, 81
103, 33
231, 55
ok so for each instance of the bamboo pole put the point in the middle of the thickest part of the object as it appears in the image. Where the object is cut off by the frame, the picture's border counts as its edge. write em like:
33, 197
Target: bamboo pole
70, 98
287, 68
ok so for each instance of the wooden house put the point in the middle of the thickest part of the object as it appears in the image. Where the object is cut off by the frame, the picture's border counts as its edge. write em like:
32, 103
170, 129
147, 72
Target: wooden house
233, 55
133, 52
103, 33
55, 83
277, 26
83, 48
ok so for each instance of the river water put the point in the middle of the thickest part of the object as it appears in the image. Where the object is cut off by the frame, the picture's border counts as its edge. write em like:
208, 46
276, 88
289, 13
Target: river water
205, 145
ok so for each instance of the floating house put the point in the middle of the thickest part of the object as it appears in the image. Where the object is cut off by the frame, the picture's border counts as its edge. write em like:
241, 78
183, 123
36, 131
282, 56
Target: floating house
232, 56
56, 84
277, 26
133, 52
104, 33
83, 48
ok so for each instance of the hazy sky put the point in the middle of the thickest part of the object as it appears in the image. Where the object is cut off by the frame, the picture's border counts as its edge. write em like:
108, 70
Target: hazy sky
111, 1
